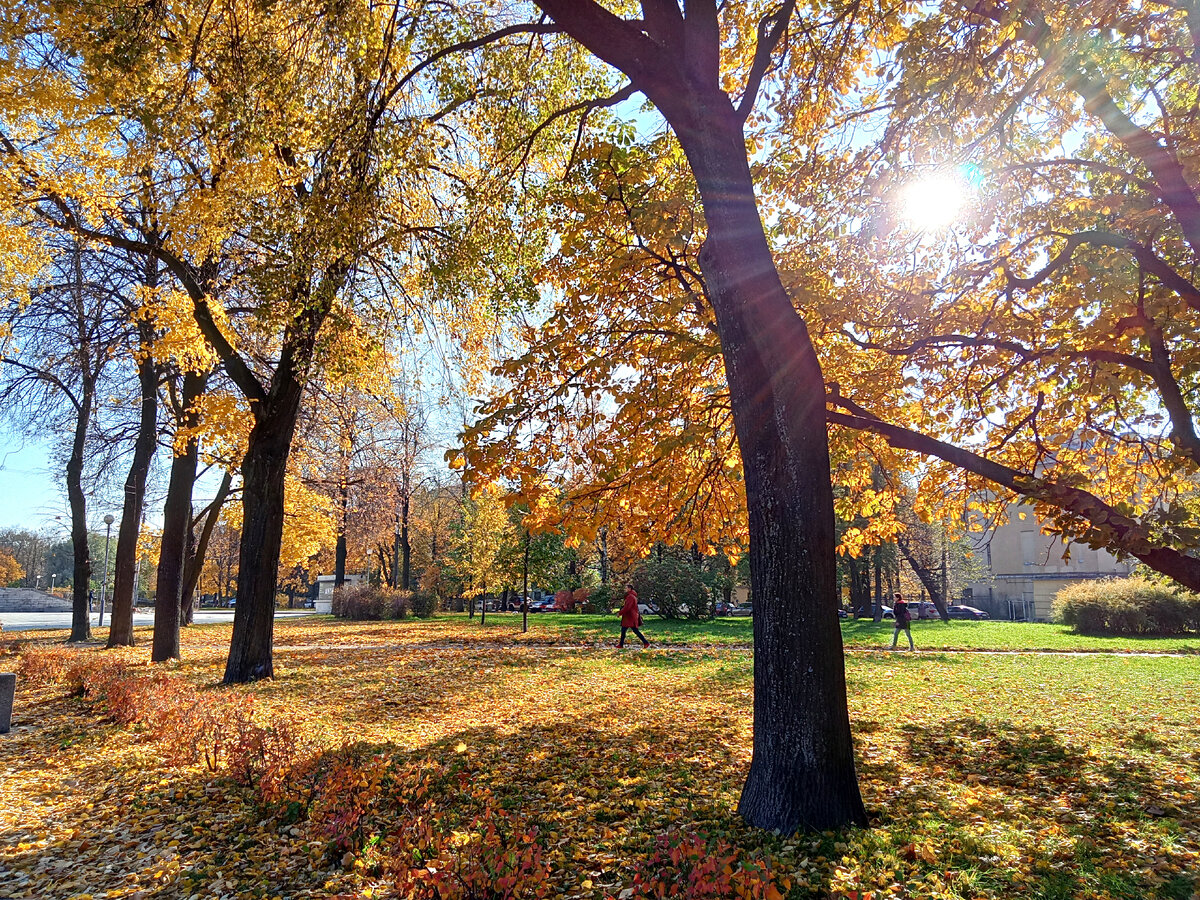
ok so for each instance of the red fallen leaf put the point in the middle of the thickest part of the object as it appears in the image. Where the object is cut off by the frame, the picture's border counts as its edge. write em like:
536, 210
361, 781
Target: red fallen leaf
909, 852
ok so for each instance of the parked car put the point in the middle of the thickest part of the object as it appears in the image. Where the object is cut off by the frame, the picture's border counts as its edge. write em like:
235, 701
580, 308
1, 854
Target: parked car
743, 610
966, 612
546, 604
923, 610
647, 608
722, 608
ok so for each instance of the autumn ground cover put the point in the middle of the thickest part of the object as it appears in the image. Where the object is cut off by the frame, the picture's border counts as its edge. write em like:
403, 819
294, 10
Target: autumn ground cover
987, 776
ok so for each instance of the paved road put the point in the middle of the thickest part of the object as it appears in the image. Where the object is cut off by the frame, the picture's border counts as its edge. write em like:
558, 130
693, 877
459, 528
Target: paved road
53, 620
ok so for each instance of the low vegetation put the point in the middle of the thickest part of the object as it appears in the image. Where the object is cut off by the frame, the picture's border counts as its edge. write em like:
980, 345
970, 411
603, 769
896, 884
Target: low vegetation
1128, 606
439, 758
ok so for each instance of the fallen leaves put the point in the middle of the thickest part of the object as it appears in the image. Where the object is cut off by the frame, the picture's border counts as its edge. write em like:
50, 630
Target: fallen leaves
996, 777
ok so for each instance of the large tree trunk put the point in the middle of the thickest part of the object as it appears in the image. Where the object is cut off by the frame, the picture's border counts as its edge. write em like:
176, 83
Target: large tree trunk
81, 622
177, 515
802, 772
120, 630
263, 470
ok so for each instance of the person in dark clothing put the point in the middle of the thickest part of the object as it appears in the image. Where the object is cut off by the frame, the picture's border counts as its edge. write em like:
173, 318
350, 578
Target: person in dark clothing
631, 617
903, 620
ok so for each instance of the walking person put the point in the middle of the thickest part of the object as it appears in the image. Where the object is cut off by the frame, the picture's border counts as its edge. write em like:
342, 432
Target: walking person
631, 617
903, 620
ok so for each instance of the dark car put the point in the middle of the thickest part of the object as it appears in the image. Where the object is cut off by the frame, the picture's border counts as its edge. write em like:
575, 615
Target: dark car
966, 612
722, 608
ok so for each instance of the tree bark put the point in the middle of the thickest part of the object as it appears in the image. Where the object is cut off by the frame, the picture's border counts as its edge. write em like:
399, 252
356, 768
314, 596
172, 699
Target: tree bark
120, 630
81, 622
177, 514
802, 773
878, 605
263, 470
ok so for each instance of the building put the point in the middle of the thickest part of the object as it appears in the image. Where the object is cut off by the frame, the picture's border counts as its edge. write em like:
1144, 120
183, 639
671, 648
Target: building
324, 601
1025, 569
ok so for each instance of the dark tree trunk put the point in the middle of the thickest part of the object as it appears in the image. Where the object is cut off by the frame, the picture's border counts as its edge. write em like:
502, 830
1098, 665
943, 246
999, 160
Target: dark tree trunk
263, 469
802, 773
81, 622
120, 630
927, 577
186, 610
405, 548
339, 553
525, 586
177, 515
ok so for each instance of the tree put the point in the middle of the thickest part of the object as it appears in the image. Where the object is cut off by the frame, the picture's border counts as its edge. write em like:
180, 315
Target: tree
10, 570
281, 185
1050, 333
802, 770
482, 536
57, 341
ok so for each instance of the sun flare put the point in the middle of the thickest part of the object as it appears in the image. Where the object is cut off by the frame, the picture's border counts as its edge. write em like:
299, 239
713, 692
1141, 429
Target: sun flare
934, 202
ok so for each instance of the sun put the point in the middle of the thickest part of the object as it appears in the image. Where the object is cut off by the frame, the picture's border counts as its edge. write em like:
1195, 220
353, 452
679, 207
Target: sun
933, 202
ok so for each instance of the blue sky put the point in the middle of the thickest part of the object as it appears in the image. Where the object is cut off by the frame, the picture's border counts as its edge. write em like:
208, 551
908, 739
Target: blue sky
29, 493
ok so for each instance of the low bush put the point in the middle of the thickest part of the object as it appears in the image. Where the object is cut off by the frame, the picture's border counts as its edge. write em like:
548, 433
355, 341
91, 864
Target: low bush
688, 865
676, 587
371, 602
1127, 606
424, 604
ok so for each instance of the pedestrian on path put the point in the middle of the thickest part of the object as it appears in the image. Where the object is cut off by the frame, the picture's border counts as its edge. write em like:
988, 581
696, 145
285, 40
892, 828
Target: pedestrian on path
903, 620
631, 617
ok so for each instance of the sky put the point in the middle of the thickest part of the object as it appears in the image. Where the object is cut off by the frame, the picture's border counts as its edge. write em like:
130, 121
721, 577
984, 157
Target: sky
29, 493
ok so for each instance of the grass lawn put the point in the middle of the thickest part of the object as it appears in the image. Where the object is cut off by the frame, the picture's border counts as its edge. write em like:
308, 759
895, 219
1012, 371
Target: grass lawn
856, 633
987, 776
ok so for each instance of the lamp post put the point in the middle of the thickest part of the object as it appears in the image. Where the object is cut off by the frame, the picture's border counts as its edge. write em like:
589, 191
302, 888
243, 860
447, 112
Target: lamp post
108, 520
53, 575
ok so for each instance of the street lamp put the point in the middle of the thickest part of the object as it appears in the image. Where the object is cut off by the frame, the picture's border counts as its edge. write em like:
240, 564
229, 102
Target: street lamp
108, 520
53, 575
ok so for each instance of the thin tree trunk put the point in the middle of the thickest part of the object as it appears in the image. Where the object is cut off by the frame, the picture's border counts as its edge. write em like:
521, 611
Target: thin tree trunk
177, 514
120, 630
405, 548
200, 553
81, 622
878, 615
925, 574
186, 610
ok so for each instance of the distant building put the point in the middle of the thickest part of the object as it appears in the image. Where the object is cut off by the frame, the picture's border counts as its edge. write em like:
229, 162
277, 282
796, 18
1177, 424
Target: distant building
1025, 569
324, 601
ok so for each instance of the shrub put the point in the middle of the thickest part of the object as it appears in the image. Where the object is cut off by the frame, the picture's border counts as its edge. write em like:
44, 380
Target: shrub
601, 599
1132, 606
371, 602
424, 604
676, 587
690, 866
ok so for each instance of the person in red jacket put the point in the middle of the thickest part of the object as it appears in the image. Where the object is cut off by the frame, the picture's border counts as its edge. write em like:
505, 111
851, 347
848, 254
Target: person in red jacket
631, 616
